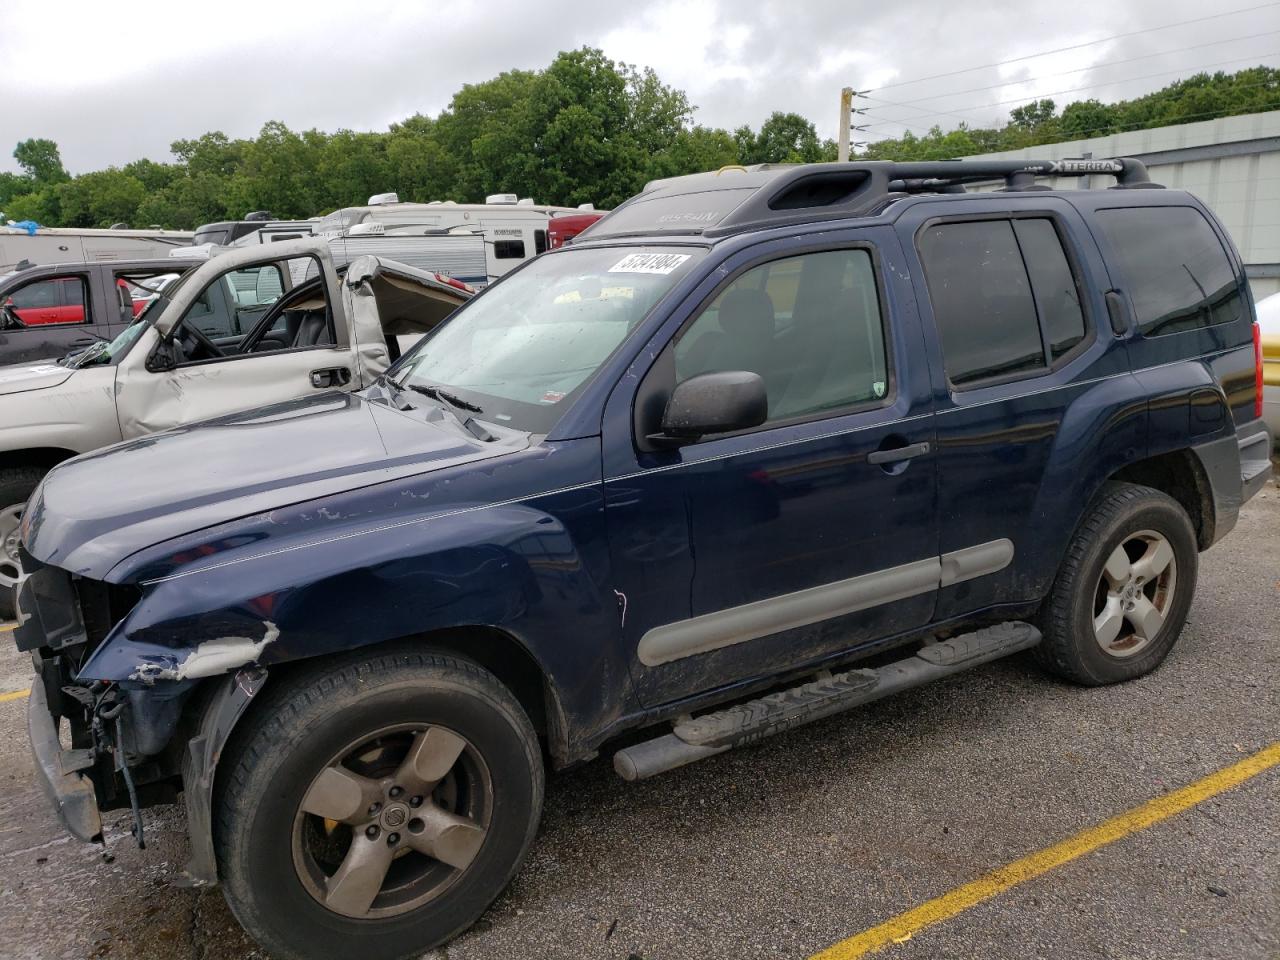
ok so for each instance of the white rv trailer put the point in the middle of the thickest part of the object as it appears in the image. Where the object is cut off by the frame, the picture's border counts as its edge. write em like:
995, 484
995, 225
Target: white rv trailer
457, 256
513, 229
73, 245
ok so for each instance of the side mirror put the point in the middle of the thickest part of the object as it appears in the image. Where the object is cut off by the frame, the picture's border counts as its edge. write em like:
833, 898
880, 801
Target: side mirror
713, 403
162, 358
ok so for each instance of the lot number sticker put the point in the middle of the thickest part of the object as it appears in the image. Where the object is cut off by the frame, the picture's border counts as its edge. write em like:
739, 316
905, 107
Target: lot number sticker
649, 263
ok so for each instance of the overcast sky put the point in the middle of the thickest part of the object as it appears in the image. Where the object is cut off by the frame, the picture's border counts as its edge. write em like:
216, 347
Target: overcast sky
114, 82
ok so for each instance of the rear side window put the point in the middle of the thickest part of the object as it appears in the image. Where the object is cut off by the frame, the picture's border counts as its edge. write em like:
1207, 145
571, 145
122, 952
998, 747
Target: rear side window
1053, 284
1173, 267
1004, 297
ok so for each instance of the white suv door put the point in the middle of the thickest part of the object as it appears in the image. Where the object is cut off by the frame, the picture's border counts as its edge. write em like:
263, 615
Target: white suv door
244, 330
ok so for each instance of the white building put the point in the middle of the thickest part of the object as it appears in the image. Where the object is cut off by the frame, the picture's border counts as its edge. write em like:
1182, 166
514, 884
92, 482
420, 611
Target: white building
1232, 164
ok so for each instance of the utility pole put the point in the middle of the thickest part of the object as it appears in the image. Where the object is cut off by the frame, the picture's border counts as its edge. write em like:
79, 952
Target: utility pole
846, 118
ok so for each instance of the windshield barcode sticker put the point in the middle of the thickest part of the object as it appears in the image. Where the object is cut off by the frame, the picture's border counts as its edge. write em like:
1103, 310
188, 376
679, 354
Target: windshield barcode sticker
649, 263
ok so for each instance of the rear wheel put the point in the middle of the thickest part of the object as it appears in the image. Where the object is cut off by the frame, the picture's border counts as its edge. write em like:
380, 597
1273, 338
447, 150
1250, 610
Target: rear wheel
16, 486
375, 808
1124, 588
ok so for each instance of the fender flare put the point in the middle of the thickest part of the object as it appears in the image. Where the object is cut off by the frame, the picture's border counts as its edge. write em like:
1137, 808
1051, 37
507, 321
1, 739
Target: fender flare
230, 698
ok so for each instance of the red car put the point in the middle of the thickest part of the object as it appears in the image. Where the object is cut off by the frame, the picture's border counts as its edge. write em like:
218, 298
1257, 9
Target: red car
61, 301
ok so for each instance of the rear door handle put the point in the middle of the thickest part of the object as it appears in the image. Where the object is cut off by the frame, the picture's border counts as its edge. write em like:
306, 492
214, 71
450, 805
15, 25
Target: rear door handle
898, 453
330, 377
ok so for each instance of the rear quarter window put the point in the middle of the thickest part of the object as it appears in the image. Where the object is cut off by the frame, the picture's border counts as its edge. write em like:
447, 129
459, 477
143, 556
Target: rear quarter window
1173, 268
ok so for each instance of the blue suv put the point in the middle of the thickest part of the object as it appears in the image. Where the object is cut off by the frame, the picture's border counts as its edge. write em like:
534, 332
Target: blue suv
757, 447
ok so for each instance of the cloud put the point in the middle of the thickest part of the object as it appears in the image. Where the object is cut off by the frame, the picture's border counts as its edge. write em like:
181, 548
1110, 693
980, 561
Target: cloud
111, 84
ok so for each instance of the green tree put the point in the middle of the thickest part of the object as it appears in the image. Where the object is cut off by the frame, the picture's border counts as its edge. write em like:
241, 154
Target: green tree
101, 198
585, 128
41, 161
1088, 118
1032, 115
786, 138
692, 150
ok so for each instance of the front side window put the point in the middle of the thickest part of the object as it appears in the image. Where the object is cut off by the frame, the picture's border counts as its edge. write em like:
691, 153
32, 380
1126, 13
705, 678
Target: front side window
1004, 298
810, 326
45, 302
524, 347
256, 309
231, 305
1173, 267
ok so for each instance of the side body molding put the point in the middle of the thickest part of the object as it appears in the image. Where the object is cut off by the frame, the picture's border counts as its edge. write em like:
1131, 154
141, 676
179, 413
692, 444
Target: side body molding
750, 621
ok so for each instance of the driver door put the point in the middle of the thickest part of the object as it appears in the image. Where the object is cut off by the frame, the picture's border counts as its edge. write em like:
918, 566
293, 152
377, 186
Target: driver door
215, 368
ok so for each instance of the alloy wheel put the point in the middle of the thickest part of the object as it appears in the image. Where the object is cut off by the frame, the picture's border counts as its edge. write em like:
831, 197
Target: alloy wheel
1134, 594
10, 565
392, 821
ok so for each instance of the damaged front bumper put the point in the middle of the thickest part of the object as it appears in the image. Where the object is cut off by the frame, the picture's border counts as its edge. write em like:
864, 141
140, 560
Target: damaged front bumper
96, 744
60, 771
138, 739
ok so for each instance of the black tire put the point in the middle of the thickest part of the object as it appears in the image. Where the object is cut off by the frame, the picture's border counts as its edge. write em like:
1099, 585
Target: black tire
16, 486
1070, 649
292, 735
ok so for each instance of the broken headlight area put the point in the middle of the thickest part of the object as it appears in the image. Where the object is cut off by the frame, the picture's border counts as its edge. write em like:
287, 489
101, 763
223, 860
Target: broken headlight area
113, 736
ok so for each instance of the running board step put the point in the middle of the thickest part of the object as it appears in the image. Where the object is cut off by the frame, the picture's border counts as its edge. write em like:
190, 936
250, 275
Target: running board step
749, 722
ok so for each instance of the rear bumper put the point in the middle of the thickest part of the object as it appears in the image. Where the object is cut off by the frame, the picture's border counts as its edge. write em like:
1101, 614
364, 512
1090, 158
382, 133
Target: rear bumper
70, 791
1237, 467
1255, 442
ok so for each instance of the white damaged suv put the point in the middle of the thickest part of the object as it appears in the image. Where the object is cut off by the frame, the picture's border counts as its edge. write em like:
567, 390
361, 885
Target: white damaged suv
248, 328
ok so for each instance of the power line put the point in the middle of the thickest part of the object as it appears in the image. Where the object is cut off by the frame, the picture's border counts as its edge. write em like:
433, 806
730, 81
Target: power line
1059, 93
1066, 73
948, 113
1144, 125
1077, 46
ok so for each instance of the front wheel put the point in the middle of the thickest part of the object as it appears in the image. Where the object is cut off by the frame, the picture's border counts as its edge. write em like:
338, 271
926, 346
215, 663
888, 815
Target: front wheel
16, 485
374, 809
1124, 588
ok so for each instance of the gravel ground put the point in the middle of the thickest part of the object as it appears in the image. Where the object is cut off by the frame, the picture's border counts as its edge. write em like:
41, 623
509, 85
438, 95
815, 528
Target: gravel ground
781, 850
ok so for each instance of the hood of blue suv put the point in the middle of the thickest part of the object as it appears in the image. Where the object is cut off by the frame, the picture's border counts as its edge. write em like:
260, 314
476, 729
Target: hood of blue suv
95, 510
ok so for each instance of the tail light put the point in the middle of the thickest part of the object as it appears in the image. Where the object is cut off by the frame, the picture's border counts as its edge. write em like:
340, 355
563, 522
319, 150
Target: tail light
1257, 371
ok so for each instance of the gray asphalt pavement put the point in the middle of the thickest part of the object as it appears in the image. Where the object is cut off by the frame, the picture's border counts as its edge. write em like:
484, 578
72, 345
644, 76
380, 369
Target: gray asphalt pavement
789, 847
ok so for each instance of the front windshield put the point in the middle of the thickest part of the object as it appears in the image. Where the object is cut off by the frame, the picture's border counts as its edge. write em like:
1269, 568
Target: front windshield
104, 352
524, 347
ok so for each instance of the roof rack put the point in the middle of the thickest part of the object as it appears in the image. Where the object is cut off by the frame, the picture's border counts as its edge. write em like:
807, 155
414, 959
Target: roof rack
736, 199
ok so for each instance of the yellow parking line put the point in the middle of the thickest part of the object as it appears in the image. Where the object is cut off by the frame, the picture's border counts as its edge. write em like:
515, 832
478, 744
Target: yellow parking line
7, 627
13, 695
902, 927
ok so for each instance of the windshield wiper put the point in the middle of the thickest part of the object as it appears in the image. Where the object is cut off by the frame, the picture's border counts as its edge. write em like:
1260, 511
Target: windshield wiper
437, 393
71, 357
89, 355
447, 402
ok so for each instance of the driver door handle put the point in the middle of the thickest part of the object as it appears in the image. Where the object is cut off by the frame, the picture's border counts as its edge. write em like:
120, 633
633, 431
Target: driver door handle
898, 453
330, 377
